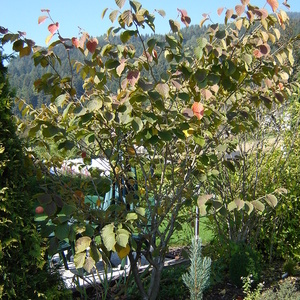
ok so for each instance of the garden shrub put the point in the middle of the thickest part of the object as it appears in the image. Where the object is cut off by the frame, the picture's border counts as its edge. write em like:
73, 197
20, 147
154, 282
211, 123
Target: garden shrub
23, 272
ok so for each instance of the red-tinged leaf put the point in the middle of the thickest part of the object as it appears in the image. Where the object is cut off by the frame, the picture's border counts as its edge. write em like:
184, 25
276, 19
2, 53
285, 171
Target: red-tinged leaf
229, 13
206, 94
183, 12
264, 49
154, 54
83, 38
120, 68
220, 10
185, 19
49, 37
22, 33
163, 89
240, 9
133, 76
92, 44
29, 42
53, 27
42, 19
245, 2
3, 30
75, 42
257, 53
45, 10
274, 4
198, 110
205, 15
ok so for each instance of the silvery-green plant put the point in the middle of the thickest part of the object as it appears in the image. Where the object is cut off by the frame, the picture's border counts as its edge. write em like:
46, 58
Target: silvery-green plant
197, 279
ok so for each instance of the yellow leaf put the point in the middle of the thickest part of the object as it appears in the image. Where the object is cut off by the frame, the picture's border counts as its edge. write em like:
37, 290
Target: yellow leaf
239, 24
123, 252
188, 132
49, 37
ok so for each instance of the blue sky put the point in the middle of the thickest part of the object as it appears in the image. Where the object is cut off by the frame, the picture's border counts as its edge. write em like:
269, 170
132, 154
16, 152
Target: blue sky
23, 15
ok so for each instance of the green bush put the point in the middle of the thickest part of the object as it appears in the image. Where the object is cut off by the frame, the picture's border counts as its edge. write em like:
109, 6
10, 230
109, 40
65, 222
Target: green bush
244, 261
23, 273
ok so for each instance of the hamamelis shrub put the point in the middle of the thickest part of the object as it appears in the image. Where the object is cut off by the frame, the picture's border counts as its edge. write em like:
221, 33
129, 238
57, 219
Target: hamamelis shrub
167, 128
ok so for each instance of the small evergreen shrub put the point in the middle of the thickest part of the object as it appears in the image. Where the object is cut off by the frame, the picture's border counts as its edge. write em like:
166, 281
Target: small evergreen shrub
244, 261
197, 279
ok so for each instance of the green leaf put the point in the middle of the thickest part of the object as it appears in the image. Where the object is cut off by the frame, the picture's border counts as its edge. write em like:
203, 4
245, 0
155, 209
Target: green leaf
131, 217
248, 207
140, 210
200, 75
162, 89
82, 244
50, 131
62, 231
258, 205
108, 236
103, 13
68, 210
135, 5
231, 206
94, 104
113, 15
203, 199
89, 264
79, 259
60, 100
239, 204
126, 35
202, 42
137, 124
171, 41
199, 140
220, 34
44, 198
95, 253
18, 45
175, 26
271, 200
166, 136
122, 237
120, 3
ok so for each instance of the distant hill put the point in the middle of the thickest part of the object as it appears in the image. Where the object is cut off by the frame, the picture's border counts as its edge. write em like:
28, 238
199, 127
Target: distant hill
23, 73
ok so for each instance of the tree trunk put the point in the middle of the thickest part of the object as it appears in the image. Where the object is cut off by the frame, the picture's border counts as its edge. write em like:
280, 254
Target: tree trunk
155, 279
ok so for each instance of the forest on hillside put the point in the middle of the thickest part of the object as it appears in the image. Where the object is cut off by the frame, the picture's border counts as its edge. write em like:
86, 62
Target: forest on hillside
23, 72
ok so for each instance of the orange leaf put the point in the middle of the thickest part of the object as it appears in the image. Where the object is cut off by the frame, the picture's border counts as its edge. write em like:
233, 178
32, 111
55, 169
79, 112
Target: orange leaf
245, 2
198, 110
42, 19
274, 4
220, 10
53, 27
